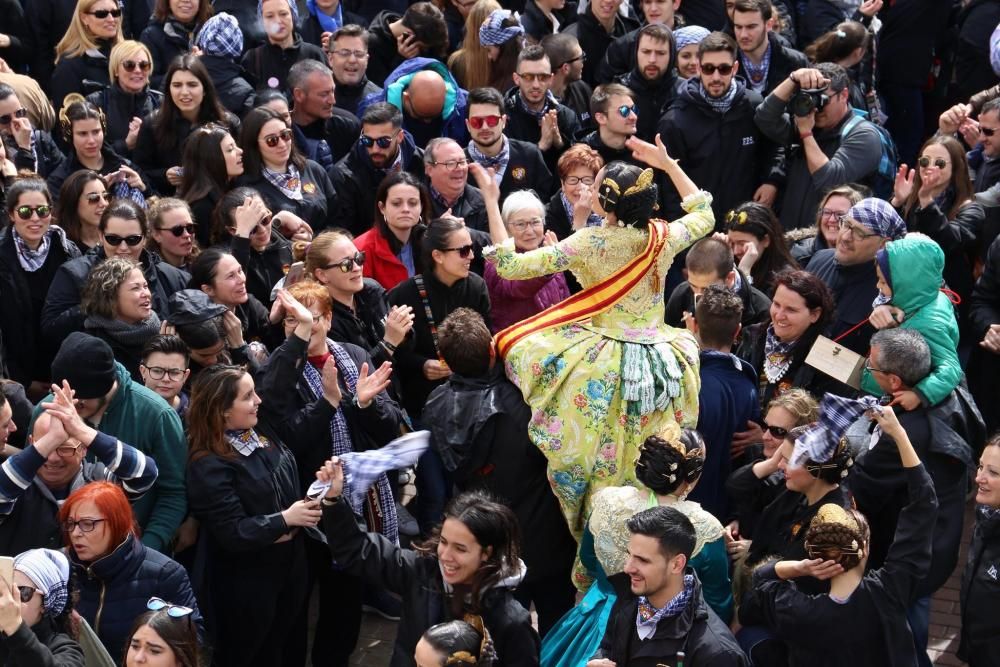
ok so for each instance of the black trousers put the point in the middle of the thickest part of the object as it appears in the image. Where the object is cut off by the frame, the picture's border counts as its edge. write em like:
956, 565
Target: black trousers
553, 597
339, 622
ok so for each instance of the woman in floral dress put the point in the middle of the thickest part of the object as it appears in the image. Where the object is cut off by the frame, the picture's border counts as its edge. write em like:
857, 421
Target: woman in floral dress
601, 371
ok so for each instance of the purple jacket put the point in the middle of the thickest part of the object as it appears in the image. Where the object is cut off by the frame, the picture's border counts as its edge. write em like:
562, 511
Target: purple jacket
514, 300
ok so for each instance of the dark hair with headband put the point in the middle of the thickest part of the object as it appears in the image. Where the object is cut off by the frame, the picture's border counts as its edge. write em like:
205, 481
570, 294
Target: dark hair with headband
760, 221
179, 634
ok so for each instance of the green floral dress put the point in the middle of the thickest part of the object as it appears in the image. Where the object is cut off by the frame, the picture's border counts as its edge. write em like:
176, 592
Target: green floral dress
599, 388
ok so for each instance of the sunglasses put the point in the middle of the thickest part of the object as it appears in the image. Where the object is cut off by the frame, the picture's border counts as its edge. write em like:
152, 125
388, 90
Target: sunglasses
26, 593
477, 122
131, 240
143, 65
8, 117
710, 69
272, 139
987, 131
925, 162
382, 142
531, 78
95, 197
179, 230
625, 110
105, 13
776, 431
464, 251
24, 212
346, 265
173, 610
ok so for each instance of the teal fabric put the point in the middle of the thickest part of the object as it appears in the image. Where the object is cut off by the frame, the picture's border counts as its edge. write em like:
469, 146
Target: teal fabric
917, 263
712, 566
394, 92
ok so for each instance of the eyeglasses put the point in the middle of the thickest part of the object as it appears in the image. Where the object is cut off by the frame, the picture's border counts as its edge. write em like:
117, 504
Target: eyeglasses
452, 165
105, 13
521, 226
382, 142
625, 110
870, 368
24, 212
272, 139
157, 372
143, 65
173, 610
8, 117
347, 53
131, 240
925, 162
26, 593
582, 58
856, 233
346, 264
179, 230
464, 251
831, 213
987, 131
66, 451
85, 525
776, 431
576, 180
531, 78
476, 122
724, 69
96, 197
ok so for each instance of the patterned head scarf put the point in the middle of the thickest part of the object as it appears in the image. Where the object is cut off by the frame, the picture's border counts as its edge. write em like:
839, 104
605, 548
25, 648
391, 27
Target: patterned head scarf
688, 35
221, 36
820, 442
879, 217
49, 571
493, 32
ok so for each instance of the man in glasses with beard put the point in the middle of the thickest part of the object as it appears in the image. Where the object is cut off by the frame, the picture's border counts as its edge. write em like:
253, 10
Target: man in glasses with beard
517, 164
383, 147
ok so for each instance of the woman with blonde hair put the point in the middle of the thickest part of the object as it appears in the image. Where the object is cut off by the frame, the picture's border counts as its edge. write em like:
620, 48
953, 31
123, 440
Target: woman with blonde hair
471, 65
129, 98
82, 55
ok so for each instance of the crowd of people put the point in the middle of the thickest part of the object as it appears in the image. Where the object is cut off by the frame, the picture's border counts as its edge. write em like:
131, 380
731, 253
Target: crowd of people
680, 319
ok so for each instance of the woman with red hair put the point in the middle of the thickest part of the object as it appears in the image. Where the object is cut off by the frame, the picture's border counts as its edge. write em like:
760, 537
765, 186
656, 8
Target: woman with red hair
117, 573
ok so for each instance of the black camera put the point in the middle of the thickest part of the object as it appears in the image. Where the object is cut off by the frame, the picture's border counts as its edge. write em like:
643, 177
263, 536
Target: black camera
808, 100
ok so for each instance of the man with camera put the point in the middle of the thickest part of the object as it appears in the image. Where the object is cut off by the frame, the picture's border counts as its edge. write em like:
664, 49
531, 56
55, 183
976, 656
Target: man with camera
808, 112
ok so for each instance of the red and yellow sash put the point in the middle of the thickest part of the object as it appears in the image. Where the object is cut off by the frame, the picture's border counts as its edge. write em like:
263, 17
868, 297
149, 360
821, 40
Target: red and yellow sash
593, 300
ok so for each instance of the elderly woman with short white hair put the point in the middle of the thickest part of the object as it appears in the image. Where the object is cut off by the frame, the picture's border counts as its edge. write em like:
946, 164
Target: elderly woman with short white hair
514, 300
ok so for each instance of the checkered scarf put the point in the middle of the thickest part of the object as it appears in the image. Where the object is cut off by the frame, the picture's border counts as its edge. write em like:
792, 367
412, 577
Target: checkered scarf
32, 260
289, 183
757, 74
836, 414
777, 356
720, 104
494, 33
122, 190
379, 507
362, 469
498, 162
246, 441
550, 103
221, 36
648, 616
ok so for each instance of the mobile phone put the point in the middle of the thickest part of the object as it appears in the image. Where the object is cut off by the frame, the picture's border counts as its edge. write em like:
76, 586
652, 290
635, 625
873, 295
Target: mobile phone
295, 273
7, 569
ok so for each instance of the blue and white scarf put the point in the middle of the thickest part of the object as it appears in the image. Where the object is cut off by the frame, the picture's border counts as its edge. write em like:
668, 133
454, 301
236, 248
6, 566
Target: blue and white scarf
499, 161
757, 74
32, 260
379, 510
289, 183
648, 616
550, 103
721, 104
593, 220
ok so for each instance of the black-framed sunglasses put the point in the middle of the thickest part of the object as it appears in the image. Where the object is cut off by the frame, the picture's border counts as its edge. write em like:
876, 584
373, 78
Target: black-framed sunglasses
347, 264
625, 110
173, 610
25, 212
776, 431
381, 142
131, 240
925, 162
178, 230
7, 118
105, 13
26, 593
725, 69
272, 140
96, 197
143, 65
987, 131
463, 251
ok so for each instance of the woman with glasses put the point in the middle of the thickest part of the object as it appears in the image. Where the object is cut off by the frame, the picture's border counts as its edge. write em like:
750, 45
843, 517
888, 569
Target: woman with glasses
758, 243
164, 636
35, 612
83, 52
832, 207
286, 180
212, 161
514, 300
124, 233
171, 31
239, 228
31, 251
190, 101
129, 98
172, 230
116, 571
570, 208
83, 198
220, 275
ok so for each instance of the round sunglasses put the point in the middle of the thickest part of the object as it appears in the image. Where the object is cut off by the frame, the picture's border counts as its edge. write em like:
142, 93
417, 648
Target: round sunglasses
368, 142
925, 162
143, 65
272, 139
95, 197
625, 110
25, 212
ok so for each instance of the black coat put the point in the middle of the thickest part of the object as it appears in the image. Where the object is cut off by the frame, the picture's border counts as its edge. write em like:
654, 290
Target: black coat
652, 99
909, 28
70, 164
62, 315
235, 92
82, 74
525, 127
980, 643
26, 354
526, 170
594, 40
155, 158
707, 13
619, 59
853, 288
40, 646
784, 61
166, 40
18, 53
263, 268
349, 97
120, 108
312, 32
537, 25
356, 181
697, 631
984, 310
318, 205
45, 158
268, 64
756, 304
417, 579
470, 206
383, 56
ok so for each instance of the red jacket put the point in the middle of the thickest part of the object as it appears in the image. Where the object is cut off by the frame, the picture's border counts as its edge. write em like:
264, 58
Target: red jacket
380, 262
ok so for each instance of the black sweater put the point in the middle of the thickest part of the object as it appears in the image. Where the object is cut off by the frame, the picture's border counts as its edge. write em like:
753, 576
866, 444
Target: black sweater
318, 205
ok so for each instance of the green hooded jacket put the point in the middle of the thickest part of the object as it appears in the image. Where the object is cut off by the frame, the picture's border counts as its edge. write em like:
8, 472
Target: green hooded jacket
916, 264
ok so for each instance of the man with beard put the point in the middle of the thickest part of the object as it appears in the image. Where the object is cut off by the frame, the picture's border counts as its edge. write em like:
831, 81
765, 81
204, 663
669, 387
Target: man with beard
711, 129
322, 132
652, 81
620, 56
347, 53
568, 86
597, 27
383, 147
764, 59
518, 165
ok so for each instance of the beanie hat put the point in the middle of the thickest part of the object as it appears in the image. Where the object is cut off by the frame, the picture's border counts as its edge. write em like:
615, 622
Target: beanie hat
87, 363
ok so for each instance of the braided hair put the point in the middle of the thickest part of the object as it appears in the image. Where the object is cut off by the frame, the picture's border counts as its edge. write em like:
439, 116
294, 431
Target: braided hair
836, 468
665, 463
839, 535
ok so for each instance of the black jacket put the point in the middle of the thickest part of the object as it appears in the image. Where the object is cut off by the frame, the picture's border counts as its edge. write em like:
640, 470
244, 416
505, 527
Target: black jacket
470, 206
356, 181
784, 61
166, 40
469, 292
652, 99
706, 13
156, 158
61, 315
594, 39
235, 92
340, 132
82, 74
120, 108
318, 205
853, 288
972, 48
26, 354
265, 268
724, 153
312, 32
909, 29
267, 65
18, 53
980, 644
620, 56
383, 56
40, 646
349, 96
697, 631
524, 126
417, 579
756, 304
45, 158
526, 170
537, 25
112, 163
